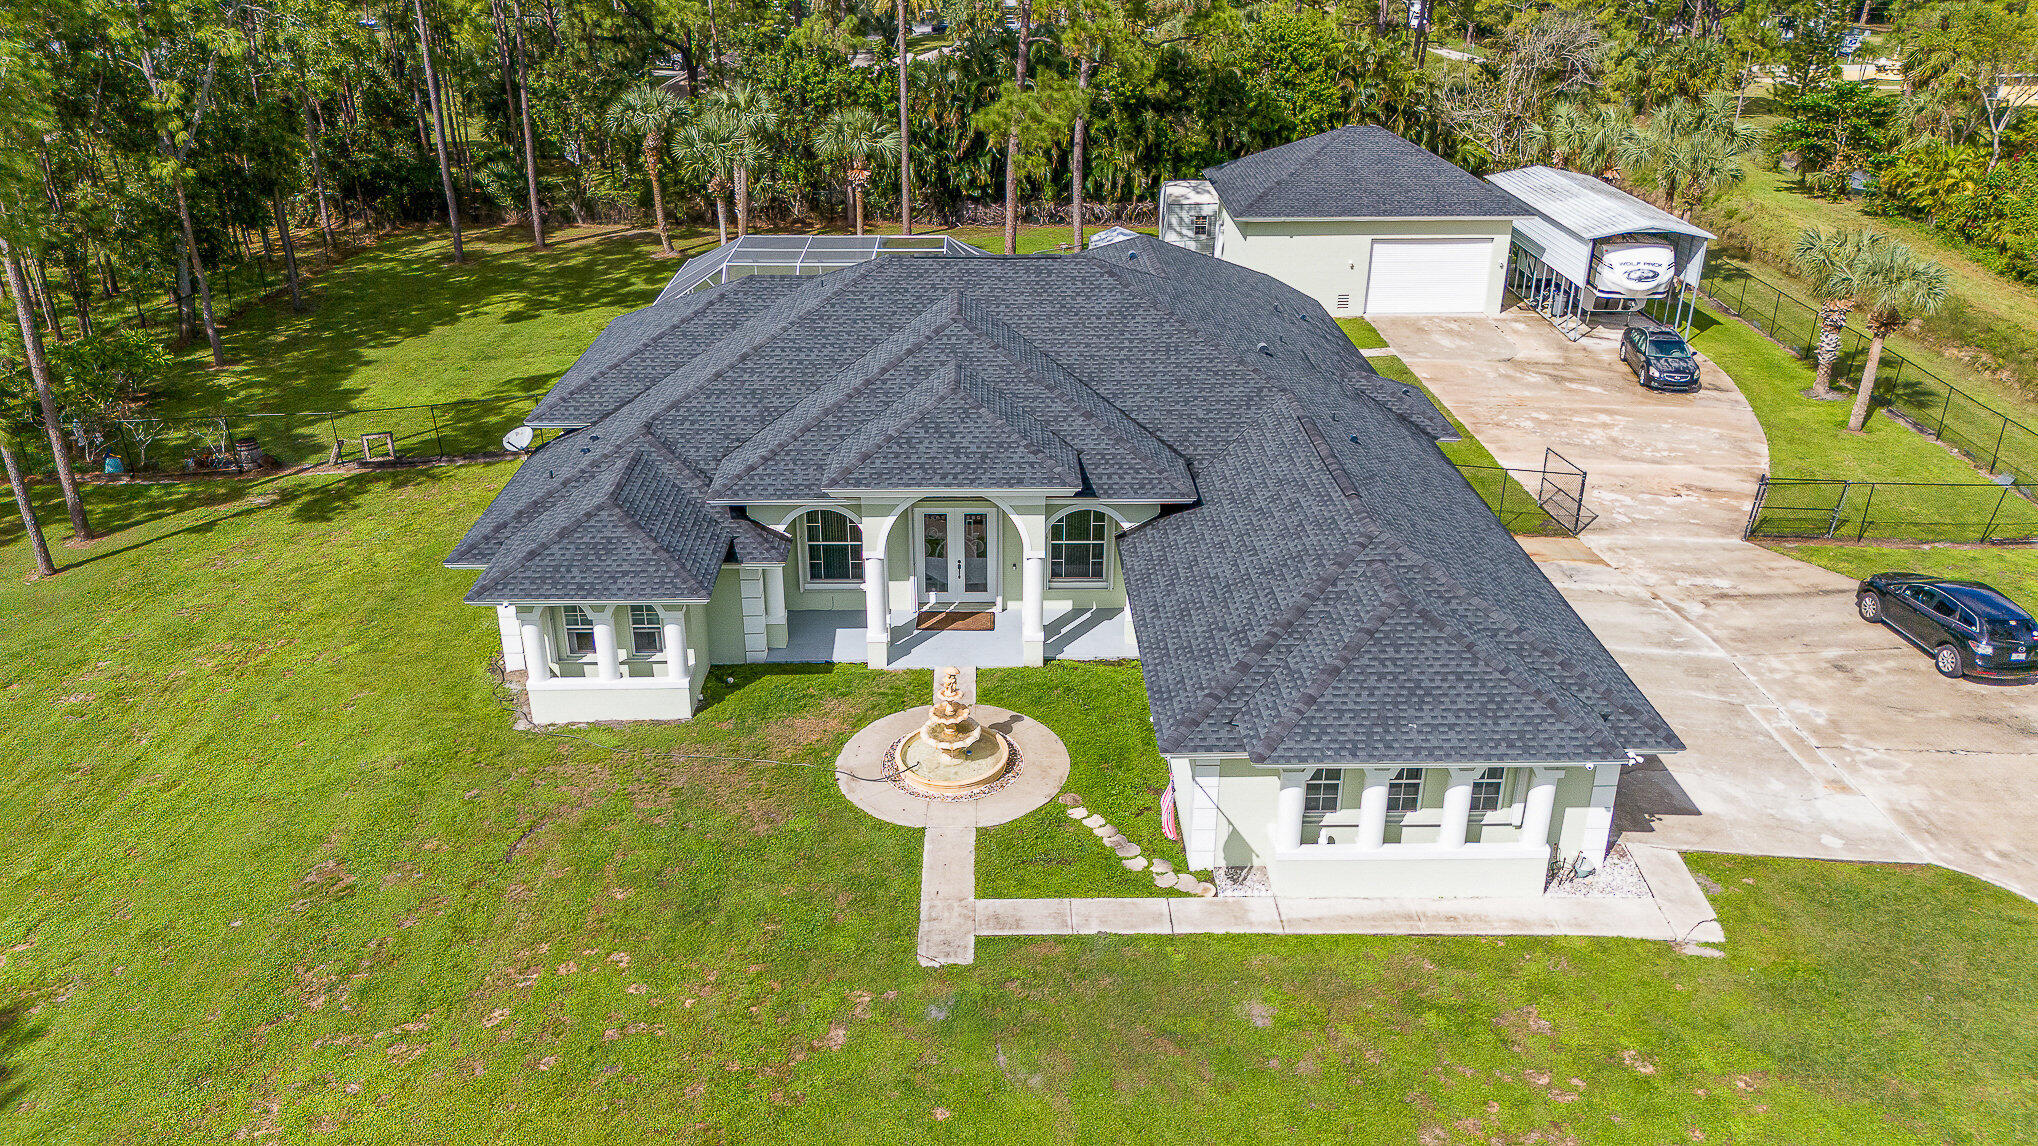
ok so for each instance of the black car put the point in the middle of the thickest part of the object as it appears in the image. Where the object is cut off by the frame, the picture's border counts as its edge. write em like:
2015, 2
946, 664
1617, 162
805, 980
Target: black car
1660, 359
1969, 628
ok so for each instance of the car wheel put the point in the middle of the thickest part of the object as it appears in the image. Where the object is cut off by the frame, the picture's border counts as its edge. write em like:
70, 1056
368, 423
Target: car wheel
1947, 661
1870, 607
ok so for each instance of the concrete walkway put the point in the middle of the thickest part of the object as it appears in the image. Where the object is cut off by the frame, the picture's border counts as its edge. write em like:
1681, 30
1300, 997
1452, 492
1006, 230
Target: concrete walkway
1809, 733
951, 919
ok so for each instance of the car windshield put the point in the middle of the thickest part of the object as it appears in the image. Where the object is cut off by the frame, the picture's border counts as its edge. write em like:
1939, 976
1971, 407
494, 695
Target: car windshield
2010, 630
1668, 344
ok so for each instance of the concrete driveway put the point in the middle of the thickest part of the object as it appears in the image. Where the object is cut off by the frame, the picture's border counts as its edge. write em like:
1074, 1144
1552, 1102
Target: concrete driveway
1809, 733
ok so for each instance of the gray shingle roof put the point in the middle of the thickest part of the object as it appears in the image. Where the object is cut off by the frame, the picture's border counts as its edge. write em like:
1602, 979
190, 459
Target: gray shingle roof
1356, 173
1395, 621
1329, 590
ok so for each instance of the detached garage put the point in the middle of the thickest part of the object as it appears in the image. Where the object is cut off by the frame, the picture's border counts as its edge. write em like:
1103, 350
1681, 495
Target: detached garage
1364, 222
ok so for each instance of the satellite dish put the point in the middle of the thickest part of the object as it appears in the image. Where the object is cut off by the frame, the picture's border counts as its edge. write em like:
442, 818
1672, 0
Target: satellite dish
519, 439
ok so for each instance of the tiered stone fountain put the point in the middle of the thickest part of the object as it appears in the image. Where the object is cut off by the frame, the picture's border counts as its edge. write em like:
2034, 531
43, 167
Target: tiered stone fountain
952, 754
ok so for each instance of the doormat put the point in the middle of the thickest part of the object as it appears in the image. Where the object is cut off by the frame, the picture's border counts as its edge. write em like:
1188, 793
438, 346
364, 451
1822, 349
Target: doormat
956, 621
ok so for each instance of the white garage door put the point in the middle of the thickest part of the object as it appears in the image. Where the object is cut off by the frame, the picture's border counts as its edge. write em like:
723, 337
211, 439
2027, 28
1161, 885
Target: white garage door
1429, 276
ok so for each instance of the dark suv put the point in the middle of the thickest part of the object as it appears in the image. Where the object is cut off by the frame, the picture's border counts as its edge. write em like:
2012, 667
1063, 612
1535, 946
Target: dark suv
1969, 628
1660, 359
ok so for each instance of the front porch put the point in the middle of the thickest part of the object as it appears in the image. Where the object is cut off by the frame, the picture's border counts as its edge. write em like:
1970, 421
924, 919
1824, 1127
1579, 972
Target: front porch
829, 635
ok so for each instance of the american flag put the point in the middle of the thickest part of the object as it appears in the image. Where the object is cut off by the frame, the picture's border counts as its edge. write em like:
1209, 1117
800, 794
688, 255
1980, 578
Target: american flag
1169, 827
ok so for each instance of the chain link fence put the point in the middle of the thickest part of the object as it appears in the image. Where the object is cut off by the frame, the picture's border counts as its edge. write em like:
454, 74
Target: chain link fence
1819, 509
235, 442
1555, 509
1928, 403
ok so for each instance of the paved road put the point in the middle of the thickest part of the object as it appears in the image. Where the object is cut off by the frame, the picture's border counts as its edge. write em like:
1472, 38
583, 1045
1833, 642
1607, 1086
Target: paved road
1809, 733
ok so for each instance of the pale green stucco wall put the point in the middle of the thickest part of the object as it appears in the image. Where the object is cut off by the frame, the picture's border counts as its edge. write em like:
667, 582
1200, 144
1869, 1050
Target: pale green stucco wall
1324, 259
1246, 806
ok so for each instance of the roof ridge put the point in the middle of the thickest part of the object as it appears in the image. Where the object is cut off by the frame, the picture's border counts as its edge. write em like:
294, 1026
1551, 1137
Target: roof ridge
1328, 673
1322, 139
1532, 682
1074, 393
805, 414
503, 564
1227, 683
1450, 584
921, 399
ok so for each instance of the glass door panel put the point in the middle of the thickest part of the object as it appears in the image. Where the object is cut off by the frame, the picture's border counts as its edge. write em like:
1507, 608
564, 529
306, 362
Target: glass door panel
934, 555
976, 554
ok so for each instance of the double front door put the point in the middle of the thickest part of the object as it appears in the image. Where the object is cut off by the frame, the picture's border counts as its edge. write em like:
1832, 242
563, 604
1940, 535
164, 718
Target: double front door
958, 556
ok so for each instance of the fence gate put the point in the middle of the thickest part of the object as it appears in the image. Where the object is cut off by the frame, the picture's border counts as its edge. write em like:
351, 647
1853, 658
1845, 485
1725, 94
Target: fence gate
1562, 493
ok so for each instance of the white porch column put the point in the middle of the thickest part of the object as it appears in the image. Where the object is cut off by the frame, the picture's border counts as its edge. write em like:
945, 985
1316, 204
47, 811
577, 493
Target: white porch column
774, 607
1373, 808
877, 610
537, 658
1599, 816
1287, 826
1457, 808
1542, 800
608, 665
676, 664
1033, 611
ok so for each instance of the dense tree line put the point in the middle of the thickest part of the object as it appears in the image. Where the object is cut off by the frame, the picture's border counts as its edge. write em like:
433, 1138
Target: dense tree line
147, 144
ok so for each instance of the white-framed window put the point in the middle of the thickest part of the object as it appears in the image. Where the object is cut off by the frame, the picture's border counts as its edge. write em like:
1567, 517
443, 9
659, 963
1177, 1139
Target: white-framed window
834, 547
647, 630
1199, 226
579, 630
1322, 791
1404, 791
1075, 546
1486, 790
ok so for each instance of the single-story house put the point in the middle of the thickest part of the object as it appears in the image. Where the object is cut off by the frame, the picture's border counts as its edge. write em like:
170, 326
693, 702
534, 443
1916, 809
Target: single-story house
1592, 248
1359, 219
1358, 680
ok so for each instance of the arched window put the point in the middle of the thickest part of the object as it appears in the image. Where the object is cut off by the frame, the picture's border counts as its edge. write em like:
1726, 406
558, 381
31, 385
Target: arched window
1075, 546
834, 547
579, 631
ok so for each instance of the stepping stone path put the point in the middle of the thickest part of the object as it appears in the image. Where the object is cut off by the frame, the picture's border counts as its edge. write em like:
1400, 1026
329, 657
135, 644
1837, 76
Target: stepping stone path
1164, 875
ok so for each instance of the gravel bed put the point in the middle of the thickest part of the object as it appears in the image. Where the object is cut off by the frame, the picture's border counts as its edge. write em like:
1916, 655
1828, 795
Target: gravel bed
1241, 881
1616, 878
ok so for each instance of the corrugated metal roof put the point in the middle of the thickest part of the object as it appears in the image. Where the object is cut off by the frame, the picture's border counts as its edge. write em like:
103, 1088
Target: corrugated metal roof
1588, 207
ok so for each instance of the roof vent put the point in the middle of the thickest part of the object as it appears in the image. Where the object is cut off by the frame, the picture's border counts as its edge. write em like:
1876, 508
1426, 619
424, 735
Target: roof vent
1264, 350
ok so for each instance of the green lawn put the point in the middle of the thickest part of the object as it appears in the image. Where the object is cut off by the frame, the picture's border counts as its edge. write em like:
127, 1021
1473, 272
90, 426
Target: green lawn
1988, 311
398, 324
1809, 438
279, 868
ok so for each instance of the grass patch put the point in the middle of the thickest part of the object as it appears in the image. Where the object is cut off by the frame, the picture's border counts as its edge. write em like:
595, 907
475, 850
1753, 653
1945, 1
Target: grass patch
1363, 334
1516, 507
398, 324
277, 866
1100, 712
2012, 570
1988, 311
1809, 439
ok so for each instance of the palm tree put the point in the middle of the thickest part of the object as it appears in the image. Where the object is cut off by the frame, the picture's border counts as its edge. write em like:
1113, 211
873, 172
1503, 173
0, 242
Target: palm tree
852, 137
1829, 264
648, 114
1688, 152
1590, 138
751, 115
1893, 284
706, 150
